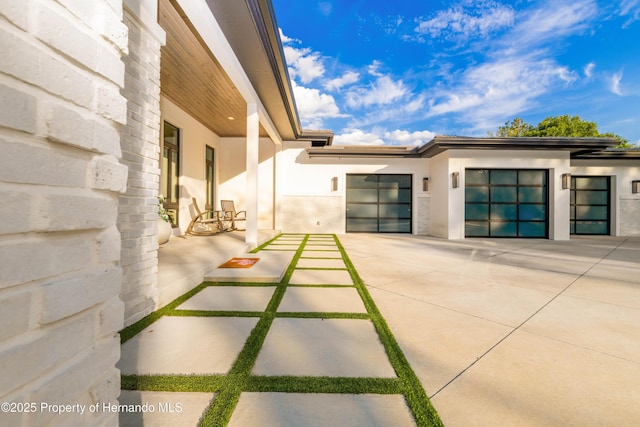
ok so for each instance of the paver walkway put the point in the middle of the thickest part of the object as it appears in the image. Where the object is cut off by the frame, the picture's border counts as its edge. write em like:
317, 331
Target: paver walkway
312, 350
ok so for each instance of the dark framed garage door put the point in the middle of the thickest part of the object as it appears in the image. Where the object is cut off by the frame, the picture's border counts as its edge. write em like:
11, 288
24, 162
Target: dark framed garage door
378, 203
506, 203
590, 208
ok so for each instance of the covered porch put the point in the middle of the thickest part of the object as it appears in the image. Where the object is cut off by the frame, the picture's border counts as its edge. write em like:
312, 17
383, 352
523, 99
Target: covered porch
185, 261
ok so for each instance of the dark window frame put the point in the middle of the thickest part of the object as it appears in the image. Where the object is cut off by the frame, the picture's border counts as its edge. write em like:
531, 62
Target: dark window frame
168, 149
210, 177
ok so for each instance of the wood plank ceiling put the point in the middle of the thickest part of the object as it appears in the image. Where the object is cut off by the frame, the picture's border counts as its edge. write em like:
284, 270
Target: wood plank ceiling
192, 78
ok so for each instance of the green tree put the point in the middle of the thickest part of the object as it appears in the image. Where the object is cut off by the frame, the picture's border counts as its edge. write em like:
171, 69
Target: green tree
561, 126
516, 127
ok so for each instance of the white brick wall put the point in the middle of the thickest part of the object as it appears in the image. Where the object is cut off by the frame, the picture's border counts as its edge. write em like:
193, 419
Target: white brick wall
138, 218
630, 215
60, 179
422, 213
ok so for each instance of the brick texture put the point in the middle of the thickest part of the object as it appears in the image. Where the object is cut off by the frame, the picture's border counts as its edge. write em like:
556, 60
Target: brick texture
140, 140
61, 178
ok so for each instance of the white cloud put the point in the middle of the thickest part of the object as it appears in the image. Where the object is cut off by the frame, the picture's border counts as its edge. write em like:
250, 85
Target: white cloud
552, 21
325, 8
314, 107
303, 63
461, 23
499, 89
381, 92
588, 69
347, 78
615, 83
358, 137
380, 137
630, 9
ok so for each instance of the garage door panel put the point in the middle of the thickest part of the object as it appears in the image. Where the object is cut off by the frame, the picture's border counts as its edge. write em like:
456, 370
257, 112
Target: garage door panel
477, 194
362, 196
532, 229
532, 213
395, 226
504, 229
506, 203
590, 206
379, 203
362, 211
474, 212
504, 212
504, 195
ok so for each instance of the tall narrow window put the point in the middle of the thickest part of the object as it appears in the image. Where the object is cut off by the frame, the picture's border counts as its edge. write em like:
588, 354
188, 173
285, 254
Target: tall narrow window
210, 172
170, 171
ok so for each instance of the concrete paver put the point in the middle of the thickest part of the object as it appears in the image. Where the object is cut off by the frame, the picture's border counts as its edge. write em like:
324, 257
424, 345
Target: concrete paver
186, 345
230, 298
321, 254
170, 409
321, 277
338, 300
294, 410
320, 263
323, 347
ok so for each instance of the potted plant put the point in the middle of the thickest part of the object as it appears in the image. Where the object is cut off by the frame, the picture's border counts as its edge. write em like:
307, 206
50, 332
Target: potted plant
164, 224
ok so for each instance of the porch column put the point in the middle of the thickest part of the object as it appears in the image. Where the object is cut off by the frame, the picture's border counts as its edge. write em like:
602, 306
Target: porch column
253, 134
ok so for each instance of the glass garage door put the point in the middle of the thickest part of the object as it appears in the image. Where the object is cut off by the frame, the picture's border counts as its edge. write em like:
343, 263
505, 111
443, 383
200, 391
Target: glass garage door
506, 203
378, 203
590, 204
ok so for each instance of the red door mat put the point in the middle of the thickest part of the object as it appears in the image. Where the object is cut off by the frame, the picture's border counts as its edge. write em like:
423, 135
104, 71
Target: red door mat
239, 263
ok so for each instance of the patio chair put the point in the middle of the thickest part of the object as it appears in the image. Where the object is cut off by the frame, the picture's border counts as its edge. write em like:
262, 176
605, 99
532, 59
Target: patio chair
229, 214
205, 223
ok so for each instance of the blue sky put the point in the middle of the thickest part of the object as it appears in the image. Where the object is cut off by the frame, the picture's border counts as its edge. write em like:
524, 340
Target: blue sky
399, 72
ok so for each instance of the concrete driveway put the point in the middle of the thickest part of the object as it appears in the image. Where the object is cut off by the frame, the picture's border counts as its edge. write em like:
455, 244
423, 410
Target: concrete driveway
511, 332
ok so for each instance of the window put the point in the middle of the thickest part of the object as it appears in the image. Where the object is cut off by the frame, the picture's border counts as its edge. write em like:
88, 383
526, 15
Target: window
170, 171
210, 175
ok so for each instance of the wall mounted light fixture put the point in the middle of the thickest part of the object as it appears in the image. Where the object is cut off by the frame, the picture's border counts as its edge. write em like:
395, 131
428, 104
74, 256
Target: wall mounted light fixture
334, 183
635, 187
455, 179
566, 181
425, 183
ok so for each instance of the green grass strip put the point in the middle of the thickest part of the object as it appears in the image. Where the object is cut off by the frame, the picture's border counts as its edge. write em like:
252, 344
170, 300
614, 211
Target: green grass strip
220, 410
319, 315
191, 383
424, 413
207, 313
340, 385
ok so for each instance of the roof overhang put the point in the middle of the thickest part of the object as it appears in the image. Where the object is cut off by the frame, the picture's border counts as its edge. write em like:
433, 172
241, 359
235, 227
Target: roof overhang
578, 147
251, 29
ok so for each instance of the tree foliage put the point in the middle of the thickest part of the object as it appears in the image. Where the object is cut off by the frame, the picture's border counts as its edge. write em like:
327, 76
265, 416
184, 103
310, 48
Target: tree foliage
561, 126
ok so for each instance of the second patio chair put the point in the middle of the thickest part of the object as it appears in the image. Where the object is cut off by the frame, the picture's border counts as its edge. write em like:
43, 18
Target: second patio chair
229, 214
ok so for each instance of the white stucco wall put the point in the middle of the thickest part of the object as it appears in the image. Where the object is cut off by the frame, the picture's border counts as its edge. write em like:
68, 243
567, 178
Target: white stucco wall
233, 177
625, 206
310, 205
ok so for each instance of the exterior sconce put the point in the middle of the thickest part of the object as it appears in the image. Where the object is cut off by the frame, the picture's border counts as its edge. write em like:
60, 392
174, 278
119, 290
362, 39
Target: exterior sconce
455, 179
334, 183
425, 184
566, 181
635, 187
